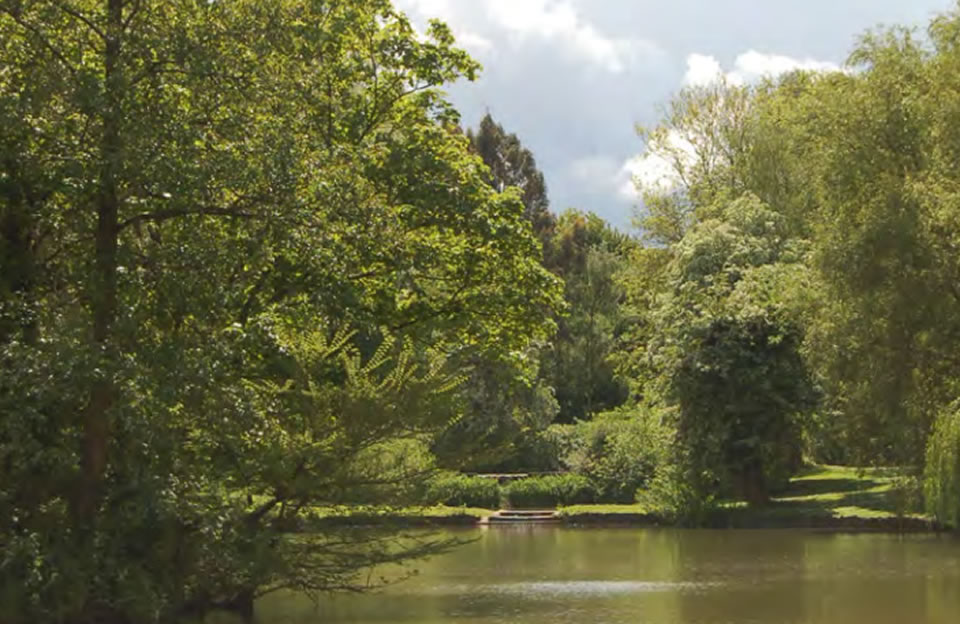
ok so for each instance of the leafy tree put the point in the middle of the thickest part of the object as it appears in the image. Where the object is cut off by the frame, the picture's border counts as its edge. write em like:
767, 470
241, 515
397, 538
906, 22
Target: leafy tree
618, 451
505, 410
942, 469
585, 252
859, 164
702, 138
246, 258
588, 254
727, 353
861, 158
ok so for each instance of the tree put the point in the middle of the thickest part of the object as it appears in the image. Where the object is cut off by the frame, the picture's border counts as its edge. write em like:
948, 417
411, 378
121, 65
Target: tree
702, 140
858, 163
588, 254
246, 254
513, 165
727, 353
506, 408
868, 150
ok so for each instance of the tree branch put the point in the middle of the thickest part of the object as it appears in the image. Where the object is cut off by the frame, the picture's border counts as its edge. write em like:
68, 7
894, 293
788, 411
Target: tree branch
15, 16
83, 18
173, 213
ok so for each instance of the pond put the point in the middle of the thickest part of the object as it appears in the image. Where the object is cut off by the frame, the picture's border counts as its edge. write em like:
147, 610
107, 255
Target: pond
534, 575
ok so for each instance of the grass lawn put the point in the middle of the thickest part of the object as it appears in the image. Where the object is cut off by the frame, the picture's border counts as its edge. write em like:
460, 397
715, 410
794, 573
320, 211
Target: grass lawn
840, 491
838, 496
821, 496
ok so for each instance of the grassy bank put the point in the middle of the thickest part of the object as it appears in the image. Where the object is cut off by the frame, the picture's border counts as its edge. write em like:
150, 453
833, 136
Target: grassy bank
834, 497
837, 496
821, 496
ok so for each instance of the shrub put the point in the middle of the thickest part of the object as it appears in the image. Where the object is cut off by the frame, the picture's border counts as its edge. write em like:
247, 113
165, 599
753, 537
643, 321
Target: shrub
679, 495
942, 470
458, 490
618, 451
550, 491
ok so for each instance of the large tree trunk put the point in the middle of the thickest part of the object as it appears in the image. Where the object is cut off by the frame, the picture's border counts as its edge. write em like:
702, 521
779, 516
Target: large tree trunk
103, 295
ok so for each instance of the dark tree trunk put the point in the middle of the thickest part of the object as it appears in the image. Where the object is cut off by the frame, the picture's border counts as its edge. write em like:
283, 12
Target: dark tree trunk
17, 265
103, 292
753, 484
242, 605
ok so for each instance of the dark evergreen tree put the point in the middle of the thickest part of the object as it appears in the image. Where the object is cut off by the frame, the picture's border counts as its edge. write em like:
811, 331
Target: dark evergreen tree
512, 164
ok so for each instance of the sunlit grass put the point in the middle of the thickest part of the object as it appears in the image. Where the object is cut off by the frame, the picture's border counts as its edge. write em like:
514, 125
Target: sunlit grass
433, 511
845, 492
575, 510
813, 498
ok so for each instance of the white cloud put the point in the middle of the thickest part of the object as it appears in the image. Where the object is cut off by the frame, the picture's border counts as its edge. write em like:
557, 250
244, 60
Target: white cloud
560, 22
656, 169
440, 9
597, 173
748, 67
515, 22
752, 65
478, 44
702, 70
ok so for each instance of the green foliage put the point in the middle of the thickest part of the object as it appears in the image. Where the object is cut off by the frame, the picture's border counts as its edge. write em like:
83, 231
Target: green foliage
681, 491
618, 452
550, 491
855, 163
859, 163
726, 354
942, 473
511, 165
702, 140
588, 254
458, 490
505, 409
247, 260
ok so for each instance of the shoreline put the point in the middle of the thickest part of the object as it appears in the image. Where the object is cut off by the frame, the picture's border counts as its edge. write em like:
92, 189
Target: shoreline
821, 497
734, 521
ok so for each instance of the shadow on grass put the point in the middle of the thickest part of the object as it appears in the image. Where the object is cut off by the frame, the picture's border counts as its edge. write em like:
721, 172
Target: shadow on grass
813, 487
828, 496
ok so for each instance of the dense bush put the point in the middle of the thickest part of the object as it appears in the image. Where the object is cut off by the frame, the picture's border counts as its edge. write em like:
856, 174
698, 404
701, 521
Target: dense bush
550, 491
942, 474
458, 490
617, 451
680, 495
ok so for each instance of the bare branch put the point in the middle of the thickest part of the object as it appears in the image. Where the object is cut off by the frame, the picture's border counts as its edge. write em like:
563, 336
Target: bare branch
233, 211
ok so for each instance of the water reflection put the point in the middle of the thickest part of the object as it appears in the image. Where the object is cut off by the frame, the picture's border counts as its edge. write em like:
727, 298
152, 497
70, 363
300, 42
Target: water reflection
762, 574
550, 589
553, 575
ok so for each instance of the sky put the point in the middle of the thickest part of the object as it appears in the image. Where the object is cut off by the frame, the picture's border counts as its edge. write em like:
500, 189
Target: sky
573, 78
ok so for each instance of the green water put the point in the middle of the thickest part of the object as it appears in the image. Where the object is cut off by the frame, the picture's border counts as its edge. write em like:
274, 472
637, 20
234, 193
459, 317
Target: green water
612, 576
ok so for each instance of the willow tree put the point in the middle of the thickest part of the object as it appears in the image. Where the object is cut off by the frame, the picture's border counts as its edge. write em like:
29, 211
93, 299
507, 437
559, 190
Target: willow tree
245, 255
872, 148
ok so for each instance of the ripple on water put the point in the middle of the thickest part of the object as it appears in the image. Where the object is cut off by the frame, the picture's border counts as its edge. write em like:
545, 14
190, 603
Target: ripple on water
554, 589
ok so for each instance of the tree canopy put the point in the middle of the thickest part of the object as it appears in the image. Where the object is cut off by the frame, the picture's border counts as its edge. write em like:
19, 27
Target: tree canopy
253, 271
247, 261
